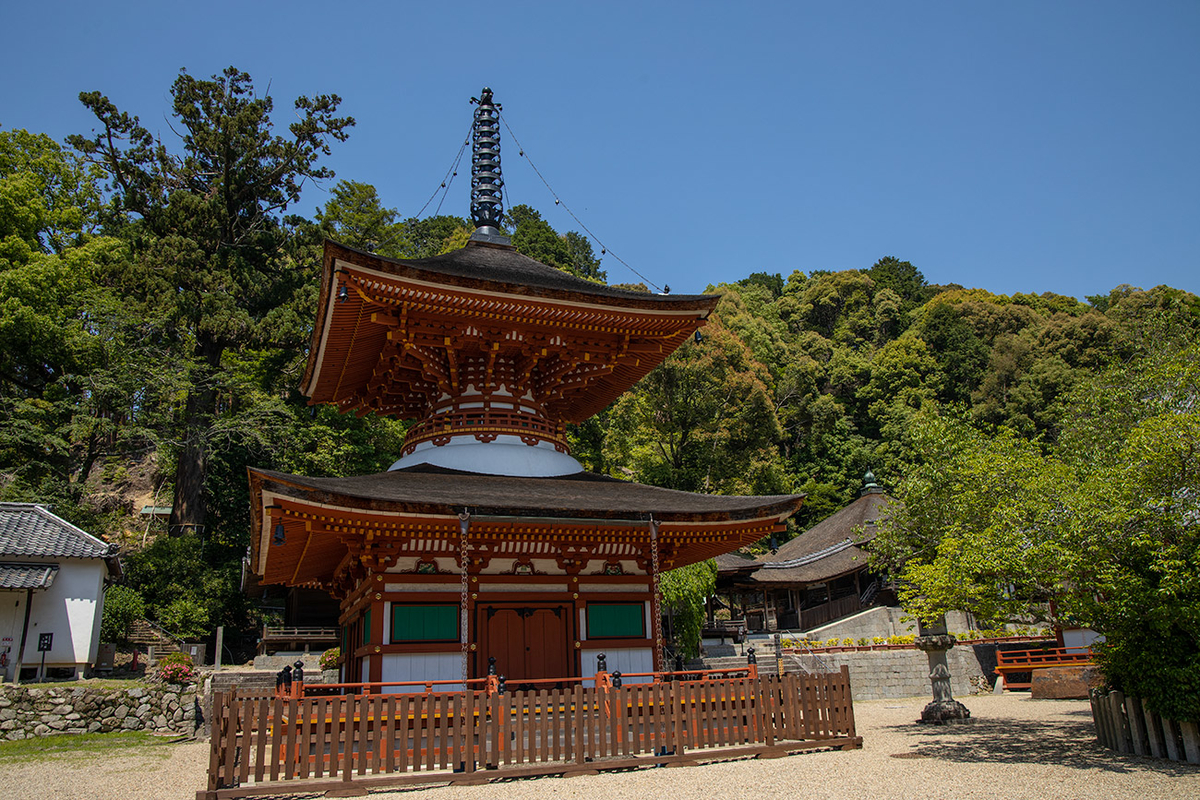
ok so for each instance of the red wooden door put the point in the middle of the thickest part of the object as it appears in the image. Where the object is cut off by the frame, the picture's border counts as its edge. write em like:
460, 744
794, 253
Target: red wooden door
527, 641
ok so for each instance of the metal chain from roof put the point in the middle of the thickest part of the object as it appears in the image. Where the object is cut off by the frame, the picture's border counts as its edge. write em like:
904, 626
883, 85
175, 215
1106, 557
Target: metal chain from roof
464, 522
656, 601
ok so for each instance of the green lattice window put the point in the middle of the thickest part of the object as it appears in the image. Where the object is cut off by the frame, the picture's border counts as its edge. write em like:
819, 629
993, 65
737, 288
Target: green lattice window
606, 621
424, 623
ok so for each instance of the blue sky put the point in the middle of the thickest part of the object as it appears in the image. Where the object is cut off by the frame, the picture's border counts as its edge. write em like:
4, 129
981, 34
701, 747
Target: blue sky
1015, 146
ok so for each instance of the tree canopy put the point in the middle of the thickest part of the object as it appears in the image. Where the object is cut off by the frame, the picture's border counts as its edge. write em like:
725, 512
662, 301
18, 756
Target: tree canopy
1106, 524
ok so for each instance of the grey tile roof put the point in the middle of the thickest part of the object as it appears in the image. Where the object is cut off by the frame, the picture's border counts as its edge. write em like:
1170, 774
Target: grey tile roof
28, 529
429, 489
475, 265
830, 548
27, 576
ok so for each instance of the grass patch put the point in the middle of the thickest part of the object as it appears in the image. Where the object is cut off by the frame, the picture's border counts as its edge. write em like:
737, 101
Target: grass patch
76, 744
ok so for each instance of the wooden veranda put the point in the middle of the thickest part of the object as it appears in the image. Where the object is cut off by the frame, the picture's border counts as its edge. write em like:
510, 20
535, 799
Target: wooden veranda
349, 743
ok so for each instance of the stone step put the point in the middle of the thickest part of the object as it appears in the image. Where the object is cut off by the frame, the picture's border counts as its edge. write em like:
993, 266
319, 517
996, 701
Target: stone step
145, 634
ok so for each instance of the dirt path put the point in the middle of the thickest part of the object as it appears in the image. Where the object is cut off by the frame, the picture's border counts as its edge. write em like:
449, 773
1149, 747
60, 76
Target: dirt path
1018, 749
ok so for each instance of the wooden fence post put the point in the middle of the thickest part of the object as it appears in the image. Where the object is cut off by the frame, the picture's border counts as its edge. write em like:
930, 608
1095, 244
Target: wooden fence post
1137, 725
1191, 741
1116, 704
1171, 739
1154, 732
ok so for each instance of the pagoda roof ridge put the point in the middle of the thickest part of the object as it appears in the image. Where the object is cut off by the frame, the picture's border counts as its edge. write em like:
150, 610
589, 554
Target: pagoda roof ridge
489, 267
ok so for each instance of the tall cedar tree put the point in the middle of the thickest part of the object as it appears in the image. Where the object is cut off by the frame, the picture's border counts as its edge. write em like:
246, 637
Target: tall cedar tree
206, 230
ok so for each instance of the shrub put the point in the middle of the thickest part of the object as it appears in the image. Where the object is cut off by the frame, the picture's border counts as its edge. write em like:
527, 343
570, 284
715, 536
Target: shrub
184, 617
175, 658
331, 658
122, 605
176, 673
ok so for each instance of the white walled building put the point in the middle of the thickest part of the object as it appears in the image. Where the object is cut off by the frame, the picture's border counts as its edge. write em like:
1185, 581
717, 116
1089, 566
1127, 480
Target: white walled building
52, 579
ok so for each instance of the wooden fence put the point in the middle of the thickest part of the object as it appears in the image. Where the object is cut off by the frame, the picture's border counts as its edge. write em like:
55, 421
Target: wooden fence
346, 744
1124, 724
1020, 661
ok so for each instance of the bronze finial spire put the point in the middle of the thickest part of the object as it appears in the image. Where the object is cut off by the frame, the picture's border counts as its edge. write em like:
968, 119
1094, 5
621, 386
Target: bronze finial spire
487, 196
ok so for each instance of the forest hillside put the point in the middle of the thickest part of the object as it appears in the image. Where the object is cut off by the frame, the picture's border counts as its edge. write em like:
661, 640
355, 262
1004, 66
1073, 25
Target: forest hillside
156, 302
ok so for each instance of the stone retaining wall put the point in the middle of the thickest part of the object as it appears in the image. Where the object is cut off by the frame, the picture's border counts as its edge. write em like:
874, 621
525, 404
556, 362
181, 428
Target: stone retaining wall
888, 674
26, 712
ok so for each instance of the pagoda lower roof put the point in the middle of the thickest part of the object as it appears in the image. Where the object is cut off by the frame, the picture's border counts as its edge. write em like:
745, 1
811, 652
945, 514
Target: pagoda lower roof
426, 489
313, 531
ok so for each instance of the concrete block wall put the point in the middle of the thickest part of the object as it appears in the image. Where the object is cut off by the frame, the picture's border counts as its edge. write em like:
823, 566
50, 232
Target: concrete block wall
882, 621
889, 674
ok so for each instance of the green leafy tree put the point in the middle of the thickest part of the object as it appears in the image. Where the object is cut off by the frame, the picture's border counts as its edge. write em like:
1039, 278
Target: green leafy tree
570, 252
207, 234
702, 421
1106, 525
122, 605
76, 375
684, 592
355, 216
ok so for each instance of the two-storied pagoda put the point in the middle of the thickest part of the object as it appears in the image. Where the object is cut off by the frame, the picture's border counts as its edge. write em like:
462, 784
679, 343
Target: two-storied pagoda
486, 538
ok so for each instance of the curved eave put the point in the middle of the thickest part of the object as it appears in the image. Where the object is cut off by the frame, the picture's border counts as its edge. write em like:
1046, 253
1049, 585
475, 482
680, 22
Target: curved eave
505, 271
325, 520
557, 289
585, 496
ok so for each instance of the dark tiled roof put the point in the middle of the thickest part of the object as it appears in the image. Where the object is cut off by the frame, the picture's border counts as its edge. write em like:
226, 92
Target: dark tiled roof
585, 495
27, 529
735, 562
501, 266
27, 576
829, 548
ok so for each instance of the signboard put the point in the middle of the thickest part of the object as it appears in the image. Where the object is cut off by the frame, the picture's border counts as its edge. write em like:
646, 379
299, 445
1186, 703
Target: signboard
45, 642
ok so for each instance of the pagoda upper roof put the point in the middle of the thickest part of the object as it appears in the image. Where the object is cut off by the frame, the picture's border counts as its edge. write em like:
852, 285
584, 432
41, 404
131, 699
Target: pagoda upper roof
502, 268
393, 335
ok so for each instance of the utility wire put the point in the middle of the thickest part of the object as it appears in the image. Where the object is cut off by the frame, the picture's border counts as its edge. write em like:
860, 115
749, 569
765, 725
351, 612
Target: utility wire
446, 185
558, 202
444, 188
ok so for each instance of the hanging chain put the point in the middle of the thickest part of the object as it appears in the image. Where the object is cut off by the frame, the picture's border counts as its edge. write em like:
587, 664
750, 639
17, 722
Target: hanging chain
464, 521
656, 603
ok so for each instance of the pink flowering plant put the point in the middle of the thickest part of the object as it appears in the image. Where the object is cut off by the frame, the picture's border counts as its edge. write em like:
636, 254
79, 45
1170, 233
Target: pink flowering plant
331, 658
176, 668
177, 673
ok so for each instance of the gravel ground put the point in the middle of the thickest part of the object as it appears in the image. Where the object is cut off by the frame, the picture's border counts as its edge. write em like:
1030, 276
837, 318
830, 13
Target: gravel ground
1017, 748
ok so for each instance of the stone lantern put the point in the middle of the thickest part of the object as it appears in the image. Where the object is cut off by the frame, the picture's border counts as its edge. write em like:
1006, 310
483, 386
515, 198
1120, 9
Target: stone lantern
935, 641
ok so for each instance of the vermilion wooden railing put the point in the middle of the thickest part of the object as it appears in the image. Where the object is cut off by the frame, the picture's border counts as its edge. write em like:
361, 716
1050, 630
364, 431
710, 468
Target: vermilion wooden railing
349, 743
1010, 661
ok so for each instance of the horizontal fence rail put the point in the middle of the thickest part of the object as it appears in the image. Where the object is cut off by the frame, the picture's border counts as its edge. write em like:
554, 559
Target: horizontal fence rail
1018, 661
348, 743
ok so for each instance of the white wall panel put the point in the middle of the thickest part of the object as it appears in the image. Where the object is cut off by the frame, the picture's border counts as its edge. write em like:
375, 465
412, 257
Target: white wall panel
422, 667
620, 659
